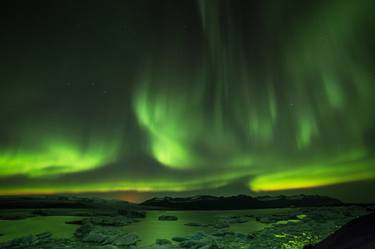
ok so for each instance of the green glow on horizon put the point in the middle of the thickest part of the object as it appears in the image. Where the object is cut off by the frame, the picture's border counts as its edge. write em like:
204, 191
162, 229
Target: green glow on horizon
156, 185
314, 176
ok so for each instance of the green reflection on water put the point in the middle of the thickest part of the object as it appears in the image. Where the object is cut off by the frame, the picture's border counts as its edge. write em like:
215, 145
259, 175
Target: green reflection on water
151, 228
12, 229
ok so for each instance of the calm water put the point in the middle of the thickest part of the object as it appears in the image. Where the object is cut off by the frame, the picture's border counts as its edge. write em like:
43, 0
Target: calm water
11, 229
148, 229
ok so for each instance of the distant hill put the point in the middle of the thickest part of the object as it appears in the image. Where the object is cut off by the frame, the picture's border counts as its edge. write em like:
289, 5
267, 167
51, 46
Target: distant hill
55, 201
206, 202
20, 207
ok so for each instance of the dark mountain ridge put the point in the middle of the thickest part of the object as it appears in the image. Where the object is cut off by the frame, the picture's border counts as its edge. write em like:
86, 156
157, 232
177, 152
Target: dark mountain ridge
57, 201
207, 202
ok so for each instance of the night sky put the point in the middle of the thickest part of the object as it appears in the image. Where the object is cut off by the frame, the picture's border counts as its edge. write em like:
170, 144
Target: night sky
133, 99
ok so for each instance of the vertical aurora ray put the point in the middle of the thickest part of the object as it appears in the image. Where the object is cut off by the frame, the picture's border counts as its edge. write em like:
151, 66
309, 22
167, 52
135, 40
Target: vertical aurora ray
170, 121
288, 128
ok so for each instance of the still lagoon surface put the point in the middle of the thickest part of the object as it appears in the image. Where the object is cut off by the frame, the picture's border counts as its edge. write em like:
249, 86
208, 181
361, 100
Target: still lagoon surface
149, 229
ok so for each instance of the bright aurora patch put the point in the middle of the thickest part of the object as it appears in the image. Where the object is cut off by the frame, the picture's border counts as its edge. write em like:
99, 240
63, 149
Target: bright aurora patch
176, 96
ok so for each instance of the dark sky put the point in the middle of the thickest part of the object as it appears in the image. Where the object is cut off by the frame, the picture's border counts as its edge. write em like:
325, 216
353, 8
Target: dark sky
134, 99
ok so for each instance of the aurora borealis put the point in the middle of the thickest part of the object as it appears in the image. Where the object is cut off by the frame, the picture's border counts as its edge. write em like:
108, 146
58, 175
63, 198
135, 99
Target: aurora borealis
177, 96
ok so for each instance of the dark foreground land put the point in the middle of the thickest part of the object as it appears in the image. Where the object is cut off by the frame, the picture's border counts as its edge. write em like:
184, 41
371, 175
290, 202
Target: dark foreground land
302, 222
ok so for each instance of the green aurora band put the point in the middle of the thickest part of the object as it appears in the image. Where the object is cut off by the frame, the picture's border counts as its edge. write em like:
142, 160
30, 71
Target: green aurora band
56, 154
296, 122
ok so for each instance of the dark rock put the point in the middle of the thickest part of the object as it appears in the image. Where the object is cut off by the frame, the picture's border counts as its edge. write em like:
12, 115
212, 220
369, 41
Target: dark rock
214, 245
40, 212
197, 236
126, 240
179, 238
19, 243
167, 218
267, 219
115, 237
107, 247
96, 237
111, 221
221, 225
222, 233
194, 243
370, 209
80, 213
74, 222
43, 236
27, 242
105, 236
83, 230
193, 236
219, 233
194, 224
357, 234
132, 213
241, 236
160, 246
163, 242
235, 219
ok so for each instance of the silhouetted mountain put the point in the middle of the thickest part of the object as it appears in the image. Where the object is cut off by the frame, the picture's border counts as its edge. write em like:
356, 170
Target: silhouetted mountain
52, 201
357, 234
205, 202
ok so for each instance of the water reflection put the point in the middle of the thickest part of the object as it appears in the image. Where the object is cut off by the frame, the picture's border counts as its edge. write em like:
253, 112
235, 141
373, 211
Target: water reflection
151, 228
